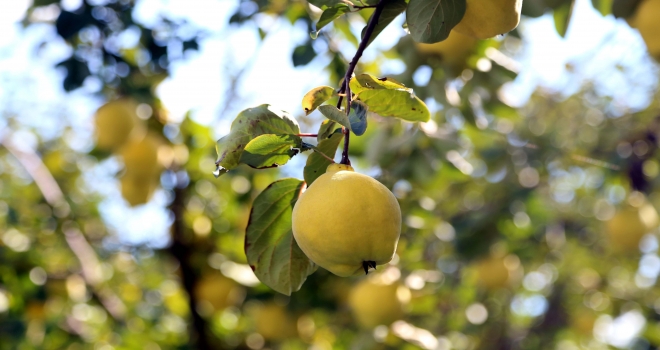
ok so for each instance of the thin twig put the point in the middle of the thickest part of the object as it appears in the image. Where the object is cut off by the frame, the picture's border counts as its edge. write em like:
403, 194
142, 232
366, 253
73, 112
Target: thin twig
315, 149
307, 135
345, 88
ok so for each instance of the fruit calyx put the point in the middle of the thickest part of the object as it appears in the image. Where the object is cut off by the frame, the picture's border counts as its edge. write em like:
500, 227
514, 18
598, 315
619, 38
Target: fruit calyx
367, 264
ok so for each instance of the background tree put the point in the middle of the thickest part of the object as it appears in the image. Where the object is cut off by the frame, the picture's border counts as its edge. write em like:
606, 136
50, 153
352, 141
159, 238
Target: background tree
524, 226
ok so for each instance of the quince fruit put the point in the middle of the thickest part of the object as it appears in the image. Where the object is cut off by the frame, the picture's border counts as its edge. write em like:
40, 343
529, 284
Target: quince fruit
492, 272
346, 222
274, 322
114, 123
141, 156
378, 301
218, 290
485, 19
646, 20
136, 190
630, 224
453, 51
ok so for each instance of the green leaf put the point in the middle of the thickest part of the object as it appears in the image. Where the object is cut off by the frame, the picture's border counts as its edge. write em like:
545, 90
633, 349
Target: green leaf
602, 6
249, 124
334, 114
562, 17
392, 9
624, 8
328, 127
315, 97
331, 14
271, 150
316, 163
358, 118
430, 21
271, 250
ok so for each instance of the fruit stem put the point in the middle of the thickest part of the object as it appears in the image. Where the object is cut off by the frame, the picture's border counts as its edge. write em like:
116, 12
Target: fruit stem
345, 86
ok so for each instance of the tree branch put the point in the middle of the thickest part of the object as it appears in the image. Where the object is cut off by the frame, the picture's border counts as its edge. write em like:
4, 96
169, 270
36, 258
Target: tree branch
80, 247
182, 252
345, 87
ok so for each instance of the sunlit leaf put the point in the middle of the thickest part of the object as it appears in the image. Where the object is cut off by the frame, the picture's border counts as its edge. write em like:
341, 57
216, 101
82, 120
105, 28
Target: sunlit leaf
315, 97
363, 82
271, 250
270, 150
430, 21
316, 163
249, 124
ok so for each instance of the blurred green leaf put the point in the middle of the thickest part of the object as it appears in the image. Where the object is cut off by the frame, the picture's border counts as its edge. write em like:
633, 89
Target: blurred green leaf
430, 21
562, 17
330, 14
603, 6
624, 8
271, 250
303, 54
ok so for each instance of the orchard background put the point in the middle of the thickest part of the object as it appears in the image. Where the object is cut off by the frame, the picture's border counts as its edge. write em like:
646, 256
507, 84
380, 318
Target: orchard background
529, 197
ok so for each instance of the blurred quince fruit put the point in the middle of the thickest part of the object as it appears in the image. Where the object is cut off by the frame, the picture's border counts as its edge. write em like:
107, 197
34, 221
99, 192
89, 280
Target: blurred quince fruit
218, 290
630, 224
142, 169
378, 300
492, 272
346, 222
485, 19
115, 122
647, 20
274, 322
453, 51
140, 156
136, 190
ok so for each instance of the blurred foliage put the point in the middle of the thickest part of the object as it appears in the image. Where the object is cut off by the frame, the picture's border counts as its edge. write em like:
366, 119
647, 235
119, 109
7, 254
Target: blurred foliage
504, 245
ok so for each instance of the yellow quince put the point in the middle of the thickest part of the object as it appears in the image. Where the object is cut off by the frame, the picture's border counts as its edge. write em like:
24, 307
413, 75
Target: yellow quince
378, 300
630, 224
114, 123
646, 20
346, 222
485, 19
